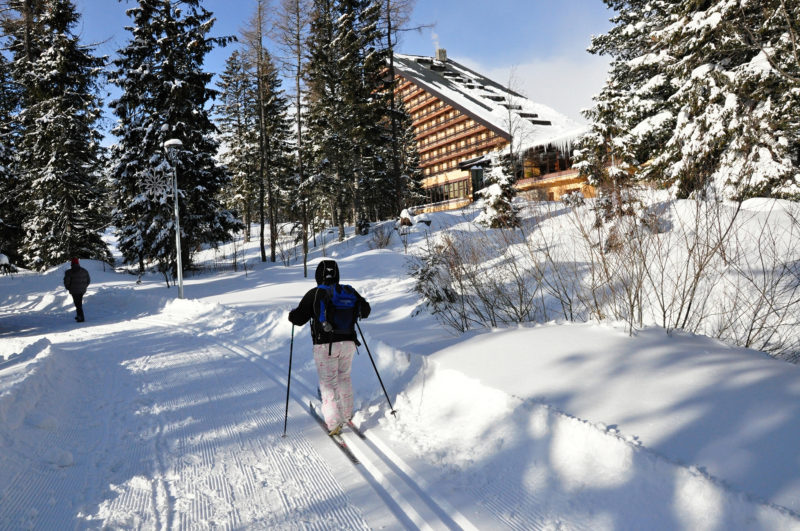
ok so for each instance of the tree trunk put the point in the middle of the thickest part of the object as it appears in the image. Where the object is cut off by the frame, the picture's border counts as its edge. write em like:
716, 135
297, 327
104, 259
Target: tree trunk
262, 216
399, 202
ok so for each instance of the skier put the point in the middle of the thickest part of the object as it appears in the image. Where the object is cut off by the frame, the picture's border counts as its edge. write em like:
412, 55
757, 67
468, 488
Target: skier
5, 265
333, 348
76, 280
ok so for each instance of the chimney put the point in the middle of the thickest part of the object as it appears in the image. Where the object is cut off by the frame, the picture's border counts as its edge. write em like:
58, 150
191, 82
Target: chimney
441, 54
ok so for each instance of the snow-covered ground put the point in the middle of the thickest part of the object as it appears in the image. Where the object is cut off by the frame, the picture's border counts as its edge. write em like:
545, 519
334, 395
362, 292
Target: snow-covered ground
159, 413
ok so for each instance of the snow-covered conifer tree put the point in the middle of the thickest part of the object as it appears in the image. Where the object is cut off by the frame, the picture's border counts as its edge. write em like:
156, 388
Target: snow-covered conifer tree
291, 30
275, 140
11, 213
404, 178
396, 182
272, 126
408, 157
709, 109
164, 96
630, 121
327, 112
58, 149
498, 196
237, 119
374, 164
346, 102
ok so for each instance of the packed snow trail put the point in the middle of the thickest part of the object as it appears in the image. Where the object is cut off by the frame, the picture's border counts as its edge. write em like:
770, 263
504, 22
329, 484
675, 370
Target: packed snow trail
163, 425
166, 414
395, 489
182, 435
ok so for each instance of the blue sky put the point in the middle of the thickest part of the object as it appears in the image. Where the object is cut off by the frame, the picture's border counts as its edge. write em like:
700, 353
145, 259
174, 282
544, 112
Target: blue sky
538, 47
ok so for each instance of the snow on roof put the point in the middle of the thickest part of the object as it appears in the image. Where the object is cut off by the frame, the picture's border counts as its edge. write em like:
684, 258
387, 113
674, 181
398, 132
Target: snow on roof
490, 103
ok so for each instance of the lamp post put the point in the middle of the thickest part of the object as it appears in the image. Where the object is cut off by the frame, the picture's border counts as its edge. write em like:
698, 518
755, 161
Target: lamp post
171, 147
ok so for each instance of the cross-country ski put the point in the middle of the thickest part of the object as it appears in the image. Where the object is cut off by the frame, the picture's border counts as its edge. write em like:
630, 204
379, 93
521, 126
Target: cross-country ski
336, 438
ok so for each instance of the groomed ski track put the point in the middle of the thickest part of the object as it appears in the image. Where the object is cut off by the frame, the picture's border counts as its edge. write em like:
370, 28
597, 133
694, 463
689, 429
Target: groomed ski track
396, 486
188, 436
158, 413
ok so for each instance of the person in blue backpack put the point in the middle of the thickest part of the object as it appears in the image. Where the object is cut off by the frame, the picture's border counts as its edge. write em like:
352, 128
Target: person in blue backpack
332, 309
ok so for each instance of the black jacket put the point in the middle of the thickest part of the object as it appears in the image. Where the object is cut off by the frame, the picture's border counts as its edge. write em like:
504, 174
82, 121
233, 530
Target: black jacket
327, 273
76, 280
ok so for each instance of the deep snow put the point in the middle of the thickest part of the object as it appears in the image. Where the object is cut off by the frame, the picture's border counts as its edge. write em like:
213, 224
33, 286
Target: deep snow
164, 413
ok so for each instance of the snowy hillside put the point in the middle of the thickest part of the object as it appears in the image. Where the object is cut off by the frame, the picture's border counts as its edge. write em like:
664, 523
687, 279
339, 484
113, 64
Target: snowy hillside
158, 413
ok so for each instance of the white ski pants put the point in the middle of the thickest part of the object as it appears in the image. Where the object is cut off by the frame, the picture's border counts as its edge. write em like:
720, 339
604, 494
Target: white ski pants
334, 361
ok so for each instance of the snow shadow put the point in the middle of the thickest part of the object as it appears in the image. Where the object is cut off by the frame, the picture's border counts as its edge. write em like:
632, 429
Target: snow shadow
680, 432
162, 427
551, 469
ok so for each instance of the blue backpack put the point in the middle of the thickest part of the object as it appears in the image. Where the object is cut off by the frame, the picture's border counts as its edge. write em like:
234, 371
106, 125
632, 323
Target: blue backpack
338, 308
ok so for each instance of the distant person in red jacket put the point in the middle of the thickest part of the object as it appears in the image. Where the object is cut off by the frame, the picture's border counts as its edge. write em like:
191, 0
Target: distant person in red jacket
76, 280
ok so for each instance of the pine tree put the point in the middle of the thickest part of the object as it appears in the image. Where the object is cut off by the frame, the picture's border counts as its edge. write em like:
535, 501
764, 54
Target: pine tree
58, 148
271, 118
700, 98
347, 103
408, 159
379, 151
237, 119
326, 112
291, 30
741, 70
396, 180
11, 213
396, 14
637, 89
276, 142
498, 194
164, 96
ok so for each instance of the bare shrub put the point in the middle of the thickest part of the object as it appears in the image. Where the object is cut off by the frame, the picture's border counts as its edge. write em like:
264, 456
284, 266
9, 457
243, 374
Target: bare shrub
433, 272
691, 265
381, 237
476, 279
761, 294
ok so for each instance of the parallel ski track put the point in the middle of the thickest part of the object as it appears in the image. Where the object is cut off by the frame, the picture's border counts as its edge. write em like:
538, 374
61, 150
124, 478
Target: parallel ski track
406, 494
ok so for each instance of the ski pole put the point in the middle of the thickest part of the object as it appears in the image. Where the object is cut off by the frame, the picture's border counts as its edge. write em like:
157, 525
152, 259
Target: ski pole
288, 383
376, 370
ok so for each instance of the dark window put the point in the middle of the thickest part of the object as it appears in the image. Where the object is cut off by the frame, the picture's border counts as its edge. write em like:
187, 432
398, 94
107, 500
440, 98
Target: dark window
445, 192
476, 174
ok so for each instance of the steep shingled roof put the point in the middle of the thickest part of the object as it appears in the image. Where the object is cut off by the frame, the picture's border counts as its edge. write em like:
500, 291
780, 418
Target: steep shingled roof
489, 103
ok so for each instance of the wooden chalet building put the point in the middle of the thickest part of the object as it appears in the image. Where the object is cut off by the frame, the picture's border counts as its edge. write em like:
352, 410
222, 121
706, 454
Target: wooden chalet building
460, 117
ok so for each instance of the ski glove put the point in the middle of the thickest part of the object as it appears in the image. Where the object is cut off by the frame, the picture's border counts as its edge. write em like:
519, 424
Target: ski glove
294, 318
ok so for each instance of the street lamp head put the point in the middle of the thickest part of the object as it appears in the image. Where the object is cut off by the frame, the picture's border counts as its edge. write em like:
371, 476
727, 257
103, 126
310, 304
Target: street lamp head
172, 143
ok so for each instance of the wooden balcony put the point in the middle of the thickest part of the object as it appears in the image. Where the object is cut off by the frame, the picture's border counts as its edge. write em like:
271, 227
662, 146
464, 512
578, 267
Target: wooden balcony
464, 152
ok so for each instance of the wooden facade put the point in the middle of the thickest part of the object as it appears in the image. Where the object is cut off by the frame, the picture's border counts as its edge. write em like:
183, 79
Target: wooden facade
452, 140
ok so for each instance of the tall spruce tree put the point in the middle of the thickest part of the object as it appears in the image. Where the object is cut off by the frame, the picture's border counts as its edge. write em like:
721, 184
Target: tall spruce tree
700, 98
407, 154
395, 178
291, 28
378, 157
326, 112
271, 104
347, 103
401, 177
11, 212
276, 144
237, 119
740, 71
58, 149
637, 88
165, 93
